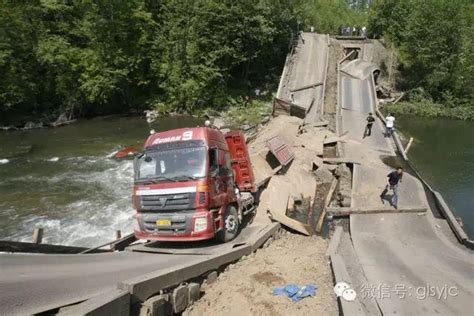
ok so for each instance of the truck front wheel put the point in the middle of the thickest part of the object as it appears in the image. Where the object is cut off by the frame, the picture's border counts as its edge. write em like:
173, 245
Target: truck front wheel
231, 225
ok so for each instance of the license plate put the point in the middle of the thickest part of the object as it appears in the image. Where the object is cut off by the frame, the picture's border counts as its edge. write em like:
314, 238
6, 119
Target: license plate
163, 222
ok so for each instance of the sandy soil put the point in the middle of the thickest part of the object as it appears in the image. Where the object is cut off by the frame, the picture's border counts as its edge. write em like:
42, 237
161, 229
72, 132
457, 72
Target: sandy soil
246, 287
335, 54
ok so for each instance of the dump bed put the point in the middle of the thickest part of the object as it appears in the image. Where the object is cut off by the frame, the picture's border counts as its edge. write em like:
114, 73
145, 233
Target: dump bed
241, 164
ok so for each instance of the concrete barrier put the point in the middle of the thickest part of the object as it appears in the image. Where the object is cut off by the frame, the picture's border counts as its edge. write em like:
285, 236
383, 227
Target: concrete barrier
448, 214
334, 242
341, 275
145, 286
139, 289
115, 302
323, 95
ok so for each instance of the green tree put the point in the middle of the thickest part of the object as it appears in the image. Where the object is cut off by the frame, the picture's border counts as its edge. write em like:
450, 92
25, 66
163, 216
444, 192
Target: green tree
434, 39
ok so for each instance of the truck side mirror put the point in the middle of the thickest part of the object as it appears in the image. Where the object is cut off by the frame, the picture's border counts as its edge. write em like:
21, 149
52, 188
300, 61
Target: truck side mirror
214, 161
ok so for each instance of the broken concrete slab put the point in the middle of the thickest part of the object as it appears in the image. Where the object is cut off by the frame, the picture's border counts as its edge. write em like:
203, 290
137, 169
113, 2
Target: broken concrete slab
323, 174
274, 201
291, 223
330, 167
158, 305
316, 163
332, 140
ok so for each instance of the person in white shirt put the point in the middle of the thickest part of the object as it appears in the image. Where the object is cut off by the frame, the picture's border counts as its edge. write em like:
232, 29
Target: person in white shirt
390, 120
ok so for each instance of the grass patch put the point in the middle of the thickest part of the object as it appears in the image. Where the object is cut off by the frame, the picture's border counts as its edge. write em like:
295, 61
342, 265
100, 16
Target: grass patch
428, 109
252, 113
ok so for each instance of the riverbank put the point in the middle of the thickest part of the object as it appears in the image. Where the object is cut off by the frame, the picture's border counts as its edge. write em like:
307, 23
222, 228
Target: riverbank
430, 110
242, 115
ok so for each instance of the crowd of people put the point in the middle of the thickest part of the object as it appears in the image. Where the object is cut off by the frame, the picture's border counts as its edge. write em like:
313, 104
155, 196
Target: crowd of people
354, 31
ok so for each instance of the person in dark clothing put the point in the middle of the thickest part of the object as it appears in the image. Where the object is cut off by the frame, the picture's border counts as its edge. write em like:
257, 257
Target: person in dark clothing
394, 178
370, 122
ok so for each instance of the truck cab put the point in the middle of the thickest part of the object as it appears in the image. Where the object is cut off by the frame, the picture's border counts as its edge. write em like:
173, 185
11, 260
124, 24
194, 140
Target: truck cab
192, 184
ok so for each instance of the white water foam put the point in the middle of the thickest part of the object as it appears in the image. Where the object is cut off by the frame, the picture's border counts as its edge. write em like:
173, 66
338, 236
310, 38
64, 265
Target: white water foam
54, 159
103, 205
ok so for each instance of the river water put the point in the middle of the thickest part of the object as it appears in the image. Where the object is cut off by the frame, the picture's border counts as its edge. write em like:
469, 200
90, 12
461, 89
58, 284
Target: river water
443, 151
64, 180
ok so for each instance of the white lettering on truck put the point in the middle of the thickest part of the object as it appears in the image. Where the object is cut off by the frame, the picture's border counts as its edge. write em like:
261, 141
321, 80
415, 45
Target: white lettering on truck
187, 135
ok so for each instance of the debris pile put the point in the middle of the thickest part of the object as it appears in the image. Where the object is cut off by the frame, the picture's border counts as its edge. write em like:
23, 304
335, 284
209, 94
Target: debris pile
295, 174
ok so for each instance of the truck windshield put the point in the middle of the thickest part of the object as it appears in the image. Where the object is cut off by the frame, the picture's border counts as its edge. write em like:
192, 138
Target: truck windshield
175, 164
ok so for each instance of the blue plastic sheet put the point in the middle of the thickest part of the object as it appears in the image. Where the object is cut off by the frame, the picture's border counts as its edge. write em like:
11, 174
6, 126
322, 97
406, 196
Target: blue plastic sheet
294, 292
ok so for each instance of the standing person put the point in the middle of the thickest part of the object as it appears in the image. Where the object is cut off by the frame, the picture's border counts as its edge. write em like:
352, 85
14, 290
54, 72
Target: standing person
389, 125
393, 178
370, 122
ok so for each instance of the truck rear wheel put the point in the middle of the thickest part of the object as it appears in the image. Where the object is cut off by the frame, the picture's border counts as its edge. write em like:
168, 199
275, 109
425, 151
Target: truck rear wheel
231, 225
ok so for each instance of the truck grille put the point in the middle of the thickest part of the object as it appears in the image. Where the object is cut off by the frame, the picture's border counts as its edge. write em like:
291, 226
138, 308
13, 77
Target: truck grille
168, 202
178, 223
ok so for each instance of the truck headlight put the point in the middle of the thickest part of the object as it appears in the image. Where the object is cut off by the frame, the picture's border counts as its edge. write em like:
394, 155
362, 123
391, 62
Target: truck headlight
200, 224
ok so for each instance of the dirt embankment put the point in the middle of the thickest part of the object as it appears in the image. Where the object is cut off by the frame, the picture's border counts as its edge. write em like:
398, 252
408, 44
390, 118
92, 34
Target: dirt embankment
246, 287
330, 96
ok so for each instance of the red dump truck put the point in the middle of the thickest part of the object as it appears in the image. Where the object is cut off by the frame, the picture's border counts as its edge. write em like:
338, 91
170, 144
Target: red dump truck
192, 184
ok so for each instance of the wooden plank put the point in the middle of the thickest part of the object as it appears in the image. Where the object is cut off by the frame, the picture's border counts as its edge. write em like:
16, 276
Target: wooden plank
37, 235
123, 242
319, 224
399, 98
115, 244
346, 211
409, 145
309, 86
335, 161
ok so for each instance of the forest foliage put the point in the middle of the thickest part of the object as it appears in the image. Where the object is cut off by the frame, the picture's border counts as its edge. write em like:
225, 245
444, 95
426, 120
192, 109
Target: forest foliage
435, 42
89, 57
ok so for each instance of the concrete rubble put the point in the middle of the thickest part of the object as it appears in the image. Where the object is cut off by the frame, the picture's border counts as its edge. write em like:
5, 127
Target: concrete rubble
294, 180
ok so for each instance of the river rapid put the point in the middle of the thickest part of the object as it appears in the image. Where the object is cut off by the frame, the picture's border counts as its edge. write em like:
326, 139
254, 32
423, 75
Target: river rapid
64, 180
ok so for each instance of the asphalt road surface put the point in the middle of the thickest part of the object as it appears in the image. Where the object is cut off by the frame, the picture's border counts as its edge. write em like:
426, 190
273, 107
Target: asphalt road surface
307, 67
31, 283
412, 263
